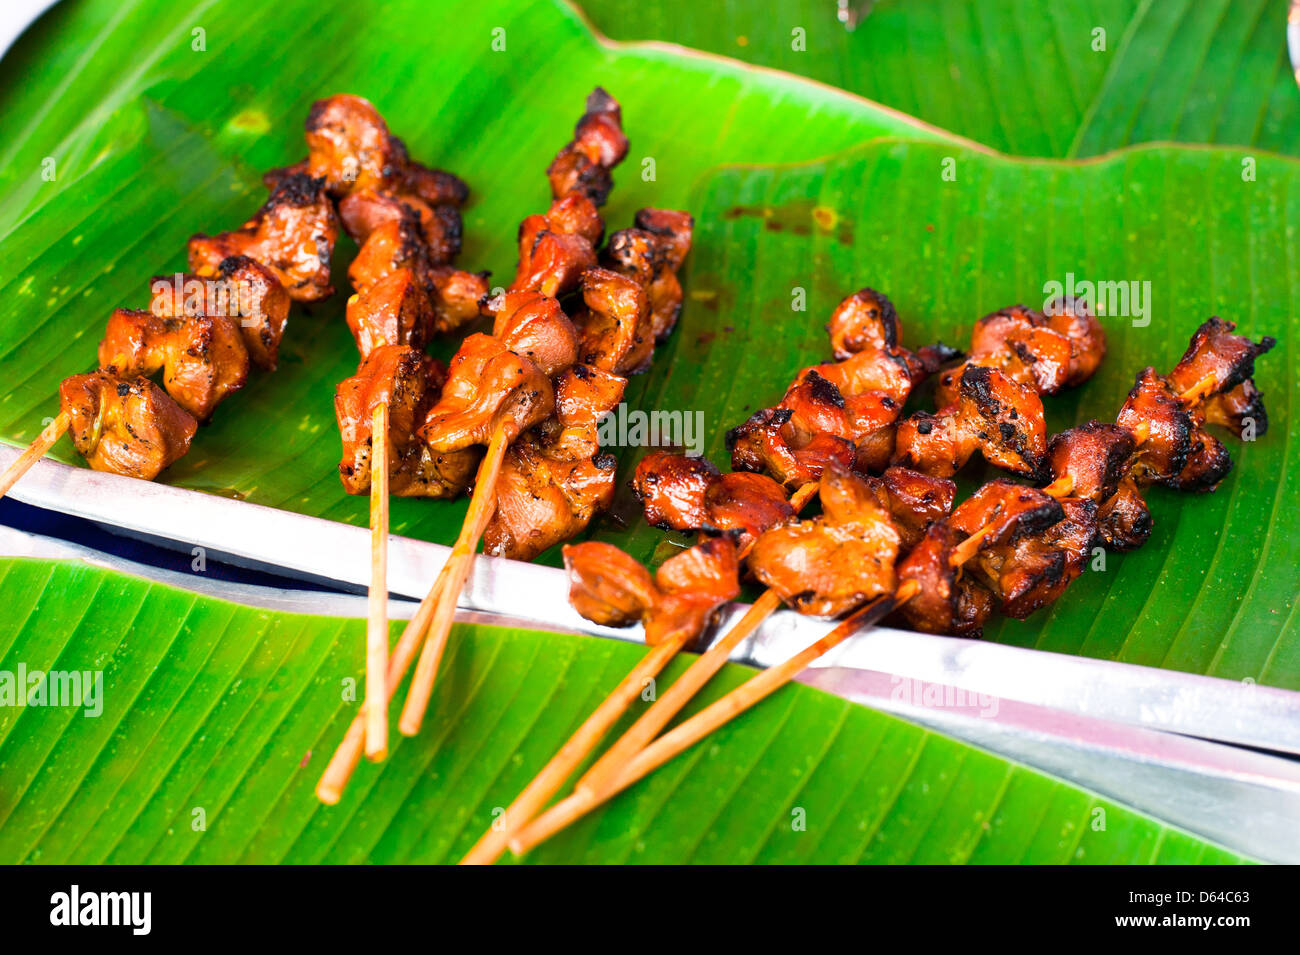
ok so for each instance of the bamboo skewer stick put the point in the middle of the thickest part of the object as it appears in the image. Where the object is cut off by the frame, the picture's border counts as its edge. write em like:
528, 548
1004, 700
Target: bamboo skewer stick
446, 590
683, 689
348, 755
552, 776
377, 621
706, 721
548, 782
34, 452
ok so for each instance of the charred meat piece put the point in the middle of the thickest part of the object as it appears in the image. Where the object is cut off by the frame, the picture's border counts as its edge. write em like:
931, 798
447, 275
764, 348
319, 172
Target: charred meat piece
1124, 520
1044, 352
653, 253
744, 506
871, 371
1153, 406
406, 380
583, 396
1004, 512
534, 326
392, 246
1216, 353
813, 426
455, 295
393, 311
1005, 419
125, 425
542, 501
948, 601
202, 357
760, 445
487, 385
614, 327
244, 291
845, 411
672, 489
396, 245
263, 307
915, 500
1095, 456
429, 473
1240, 410
556, 248
689, 494
692, 586
829, 565
439, 226
293, 235
1034, 570
352, 149
865, 320
995, 415
610, 588
1073, 319
582, 167
1207, 465
350, 146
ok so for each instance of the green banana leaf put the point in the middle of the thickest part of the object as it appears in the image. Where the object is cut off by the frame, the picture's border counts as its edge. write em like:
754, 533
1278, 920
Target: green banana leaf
148, 155
215, 720
1027, 77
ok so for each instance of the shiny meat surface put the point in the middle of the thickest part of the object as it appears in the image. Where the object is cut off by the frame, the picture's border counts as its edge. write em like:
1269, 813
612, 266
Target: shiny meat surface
915, 500
1044, 352
1094, 456
1178, 452
614, 329
542, 501
1240, 410
865, 320
1216, 353
583, 166
1124, 520
440, 227
1034, 570
688, 494
583, 395
672, 487
487, 385
829, 565
125, 425
534, 326
556, 248
606, 585
293, 235
263, 307
610, 588
1005, 512
949, 601
994, 414
393, 311
652, 252
393, 246
846, 411
202, 357
455, 295
245, 291
408, 381
351, 148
